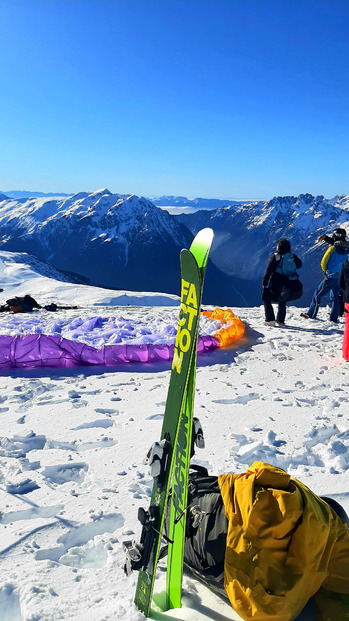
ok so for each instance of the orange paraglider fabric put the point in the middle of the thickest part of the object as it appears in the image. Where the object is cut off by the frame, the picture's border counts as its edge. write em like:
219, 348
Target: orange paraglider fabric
232, 331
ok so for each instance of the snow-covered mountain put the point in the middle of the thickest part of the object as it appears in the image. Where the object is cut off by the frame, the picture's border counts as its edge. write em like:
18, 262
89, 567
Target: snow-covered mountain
126, 242
116, 241
245, 235
21, 274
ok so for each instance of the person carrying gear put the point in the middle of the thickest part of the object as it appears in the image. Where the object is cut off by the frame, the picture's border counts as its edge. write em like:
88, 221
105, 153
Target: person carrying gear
280, 282
331, 264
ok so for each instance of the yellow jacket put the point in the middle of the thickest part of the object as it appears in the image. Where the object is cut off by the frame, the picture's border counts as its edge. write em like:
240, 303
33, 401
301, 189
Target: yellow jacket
283, 544
326, 257
334, 258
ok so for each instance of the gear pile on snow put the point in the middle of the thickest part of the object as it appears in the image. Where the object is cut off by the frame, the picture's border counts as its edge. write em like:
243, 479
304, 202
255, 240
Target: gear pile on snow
267, 542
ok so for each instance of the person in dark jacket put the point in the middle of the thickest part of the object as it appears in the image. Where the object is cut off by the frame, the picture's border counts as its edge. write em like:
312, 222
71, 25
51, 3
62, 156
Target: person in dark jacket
344, 285
280, 282
331, 264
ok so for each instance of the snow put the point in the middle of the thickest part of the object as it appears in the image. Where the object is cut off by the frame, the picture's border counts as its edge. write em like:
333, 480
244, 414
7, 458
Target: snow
72, 444
18, 278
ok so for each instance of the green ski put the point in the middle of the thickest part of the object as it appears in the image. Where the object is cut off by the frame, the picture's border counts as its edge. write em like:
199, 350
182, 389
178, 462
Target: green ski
144, 556
183, 450
177, 523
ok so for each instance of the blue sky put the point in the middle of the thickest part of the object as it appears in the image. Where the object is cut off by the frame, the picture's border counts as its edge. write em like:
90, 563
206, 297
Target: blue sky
210, 98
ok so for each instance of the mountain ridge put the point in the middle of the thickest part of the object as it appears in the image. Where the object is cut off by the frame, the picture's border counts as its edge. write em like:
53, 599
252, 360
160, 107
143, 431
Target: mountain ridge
116, 241
122, 241
246, 235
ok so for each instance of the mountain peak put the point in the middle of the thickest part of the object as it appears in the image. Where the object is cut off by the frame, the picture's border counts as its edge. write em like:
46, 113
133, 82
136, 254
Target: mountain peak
101, 192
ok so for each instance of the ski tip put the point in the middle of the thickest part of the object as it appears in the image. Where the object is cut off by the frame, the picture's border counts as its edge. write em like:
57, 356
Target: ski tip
204, 236
201, 246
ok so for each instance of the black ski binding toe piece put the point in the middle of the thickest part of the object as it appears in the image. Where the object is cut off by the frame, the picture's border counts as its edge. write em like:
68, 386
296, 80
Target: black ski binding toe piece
137, 554
134, 555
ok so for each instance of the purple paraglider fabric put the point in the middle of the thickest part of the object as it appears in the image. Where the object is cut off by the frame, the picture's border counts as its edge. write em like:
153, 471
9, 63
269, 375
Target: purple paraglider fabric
40, 350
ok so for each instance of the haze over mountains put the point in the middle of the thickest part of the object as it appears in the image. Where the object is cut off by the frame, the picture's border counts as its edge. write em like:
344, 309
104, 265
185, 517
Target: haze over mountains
181, 204
128, 242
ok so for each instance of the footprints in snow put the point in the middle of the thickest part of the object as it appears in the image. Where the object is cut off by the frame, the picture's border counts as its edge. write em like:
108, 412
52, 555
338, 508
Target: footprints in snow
242, 399
96, 423
33, 512
9, 604
22, 487
65, 472
78, 548
19, 446
142, 488
38, 392
3, 409
325, 447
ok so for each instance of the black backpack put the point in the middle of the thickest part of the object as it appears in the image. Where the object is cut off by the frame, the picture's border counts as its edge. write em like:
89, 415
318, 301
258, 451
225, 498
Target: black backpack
26, 303
206, 529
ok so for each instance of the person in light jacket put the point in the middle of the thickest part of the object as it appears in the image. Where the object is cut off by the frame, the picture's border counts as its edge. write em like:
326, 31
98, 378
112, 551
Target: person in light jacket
331, 264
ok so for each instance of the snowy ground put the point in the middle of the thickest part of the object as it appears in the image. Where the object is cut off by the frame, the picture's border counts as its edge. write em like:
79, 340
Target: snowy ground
22, 274
72, 444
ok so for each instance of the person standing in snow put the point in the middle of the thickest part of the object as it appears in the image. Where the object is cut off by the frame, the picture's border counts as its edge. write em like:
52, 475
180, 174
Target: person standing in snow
344, 285
331, 264
280, 282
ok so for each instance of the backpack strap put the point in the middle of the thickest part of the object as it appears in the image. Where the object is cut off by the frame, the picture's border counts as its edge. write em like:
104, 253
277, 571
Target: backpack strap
200, 469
